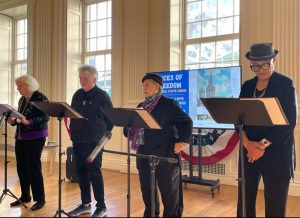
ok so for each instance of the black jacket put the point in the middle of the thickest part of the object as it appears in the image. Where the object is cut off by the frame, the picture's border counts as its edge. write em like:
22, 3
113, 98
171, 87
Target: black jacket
88, 104
36, 117
176, 126
282, 137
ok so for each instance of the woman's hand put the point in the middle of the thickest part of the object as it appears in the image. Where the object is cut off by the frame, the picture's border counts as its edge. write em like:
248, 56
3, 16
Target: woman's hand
25, 121
179, 146
255, 150
10, 120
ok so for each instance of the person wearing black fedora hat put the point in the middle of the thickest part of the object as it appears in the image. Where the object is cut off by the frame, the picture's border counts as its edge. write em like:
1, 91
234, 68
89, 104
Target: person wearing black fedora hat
269, 151
175, 134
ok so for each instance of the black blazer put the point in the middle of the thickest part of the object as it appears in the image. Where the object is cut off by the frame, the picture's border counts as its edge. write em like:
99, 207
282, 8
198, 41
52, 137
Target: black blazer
38, 118
282, 137
176, 127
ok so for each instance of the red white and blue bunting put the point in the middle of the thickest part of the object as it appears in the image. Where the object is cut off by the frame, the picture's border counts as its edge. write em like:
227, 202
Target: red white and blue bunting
216, 145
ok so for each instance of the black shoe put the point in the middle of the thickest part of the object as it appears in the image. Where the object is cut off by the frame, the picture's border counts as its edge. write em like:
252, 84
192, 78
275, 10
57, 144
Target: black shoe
100, 212
17, 203
38, 205
80, 210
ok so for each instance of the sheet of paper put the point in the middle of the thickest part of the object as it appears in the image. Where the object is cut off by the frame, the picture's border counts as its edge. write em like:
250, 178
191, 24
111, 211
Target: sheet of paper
72, 110
274, 109
148, 119
14, 114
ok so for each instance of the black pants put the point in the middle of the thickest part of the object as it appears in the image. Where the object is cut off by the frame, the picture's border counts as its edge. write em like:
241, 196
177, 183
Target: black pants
276, 178
89, 173
169, 182
29, 168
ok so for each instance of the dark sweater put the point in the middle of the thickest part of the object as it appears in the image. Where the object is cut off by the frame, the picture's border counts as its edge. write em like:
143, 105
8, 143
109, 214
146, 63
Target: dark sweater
176, 126
88, 104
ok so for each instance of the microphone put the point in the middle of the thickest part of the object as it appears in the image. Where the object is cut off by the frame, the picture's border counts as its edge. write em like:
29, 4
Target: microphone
2, 121
99, 146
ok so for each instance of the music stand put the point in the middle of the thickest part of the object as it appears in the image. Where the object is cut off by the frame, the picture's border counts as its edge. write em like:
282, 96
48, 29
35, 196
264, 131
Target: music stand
59, 110
7, 111
138, 118
245, 111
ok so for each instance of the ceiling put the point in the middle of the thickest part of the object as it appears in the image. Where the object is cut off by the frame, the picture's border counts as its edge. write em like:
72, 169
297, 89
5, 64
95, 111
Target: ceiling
15, 12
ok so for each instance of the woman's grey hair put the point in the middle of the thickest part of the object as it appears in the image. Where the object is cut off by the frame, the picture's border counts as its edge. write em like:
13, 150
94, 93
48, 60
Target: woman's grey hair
160, 88
31, 83
89, 69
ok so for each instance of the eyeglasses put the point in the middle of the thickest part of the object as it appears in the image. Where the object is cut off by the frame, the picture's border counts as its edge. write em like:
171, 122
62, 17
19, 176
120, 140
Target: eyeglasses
85, 79
257, 67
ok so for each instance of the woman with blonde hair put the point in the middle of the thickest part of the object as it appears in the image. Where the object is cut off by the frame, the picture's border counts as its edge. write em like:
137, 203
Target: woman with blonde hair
31, 133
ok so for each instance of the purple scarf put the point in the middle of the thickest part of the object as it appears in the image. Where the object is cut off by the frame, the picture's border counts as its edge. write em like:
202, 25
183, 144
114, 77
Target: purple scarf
137, 134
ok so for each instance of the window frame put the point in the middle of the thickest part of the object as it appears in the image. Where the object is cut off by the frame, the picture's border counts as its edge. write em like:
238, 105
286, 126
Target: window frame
14, 60
85, 53
216, 38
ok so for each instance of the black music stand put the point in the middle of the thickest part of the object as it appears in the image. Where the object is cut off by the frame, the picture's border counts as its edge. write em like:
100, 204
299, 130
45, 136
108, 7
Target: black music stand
247, 111
59, 110
138, 118
7, 111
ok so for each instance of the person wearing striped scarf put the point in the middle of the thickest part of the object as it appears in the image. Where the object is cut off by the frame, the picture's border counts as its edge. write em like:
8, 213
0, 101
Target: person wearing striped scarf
175, 134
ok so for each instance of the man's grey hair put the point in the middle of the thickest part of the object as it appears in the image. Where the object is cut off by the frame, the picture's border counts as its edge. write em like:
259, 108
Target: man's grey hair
89, 69
31, 83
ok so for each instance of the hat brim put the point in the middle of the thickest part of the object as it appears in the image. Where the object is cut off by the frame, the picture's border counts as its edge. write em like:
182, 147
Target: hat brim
262, 58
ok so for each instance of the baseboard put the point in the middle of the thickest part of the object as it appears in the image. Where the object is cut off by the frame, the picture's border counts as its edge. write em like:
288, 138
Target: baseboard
117, 163
9, 153
294, 189
12, 154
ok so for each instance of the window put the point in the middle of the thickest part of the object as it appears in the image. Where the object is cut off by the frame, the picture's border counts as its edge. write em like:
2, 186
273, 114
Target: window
97, 40
211, 33
19, 58
13, 49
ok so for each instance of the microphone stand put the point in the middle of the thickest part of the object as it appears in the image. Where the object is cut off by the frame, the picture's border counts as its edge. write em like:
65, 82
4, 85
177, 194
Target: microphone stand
153, 162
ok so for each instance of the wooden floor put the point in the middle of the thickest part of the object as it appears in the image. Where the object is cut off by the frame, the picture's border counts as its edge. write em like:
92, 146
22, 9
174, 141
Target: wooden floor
197, 199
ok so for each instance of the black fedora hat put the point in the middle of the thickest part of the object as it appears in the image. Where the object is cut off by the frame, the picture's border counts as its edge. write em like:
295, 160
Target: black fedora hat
261, 52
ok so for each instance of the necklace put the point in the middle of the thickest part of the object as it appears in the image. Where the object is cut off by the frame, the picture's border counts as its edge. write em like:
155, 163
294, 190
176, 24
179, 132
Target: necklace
22, 112
261, 95
262, 92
